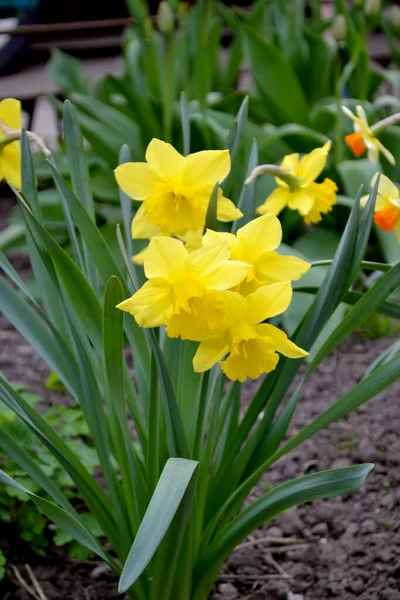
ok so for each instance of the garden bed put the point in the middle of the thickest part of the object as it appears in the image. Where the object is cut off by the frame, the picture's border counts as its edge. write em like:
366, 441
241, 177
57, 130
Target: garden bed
344, 548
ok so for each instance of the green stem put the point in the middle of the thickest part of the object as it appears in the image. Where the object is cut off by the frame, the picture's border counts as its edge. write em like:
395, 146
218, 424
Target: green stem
153, 443
168, 85
338, 124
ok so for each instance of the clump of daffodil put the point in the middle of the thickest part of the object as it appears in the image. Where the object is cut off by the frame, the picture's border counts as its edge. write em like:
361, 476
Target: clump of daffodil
297, 187
175, 190
387, 206
255, 244
180, 286
365, 137
250, 345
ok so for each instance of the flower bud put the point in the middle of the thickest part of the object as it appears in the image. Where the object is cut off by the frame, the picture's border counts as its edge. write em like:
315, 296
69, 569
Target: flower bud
165, 18
339, 28
394, 16
372, 7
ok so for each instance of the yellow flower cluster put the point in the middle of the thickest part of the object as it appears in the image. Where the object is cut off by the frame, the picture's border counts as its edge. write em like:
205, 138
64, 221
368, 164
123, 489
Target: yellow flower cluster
220, 294
10, 152
298, 189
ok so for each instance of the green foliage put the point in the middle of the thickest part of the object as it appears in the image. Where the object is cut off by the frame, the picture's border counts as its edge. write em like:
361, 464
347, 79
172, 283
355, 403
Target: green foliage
69, 421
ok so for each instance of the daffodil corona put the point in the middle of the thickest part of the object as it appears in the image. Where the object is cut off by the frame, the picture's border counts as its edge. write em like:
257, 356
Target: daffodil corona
298, 189
364, 137
387, 207
251, 345
175, 190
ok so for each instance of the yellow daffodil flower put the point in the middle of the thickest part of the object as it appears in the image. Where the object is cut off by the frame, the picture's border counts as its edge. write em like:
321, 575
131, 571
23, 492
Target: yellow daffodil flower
175, 189
255, 244
10, 152
180, 284
364, 137
250, 344
387, 207
297, 188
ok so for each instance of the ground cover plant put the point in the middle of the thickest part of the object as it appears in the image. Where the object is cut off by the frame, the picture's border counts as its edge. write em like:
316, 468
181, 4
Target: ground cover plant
177, 461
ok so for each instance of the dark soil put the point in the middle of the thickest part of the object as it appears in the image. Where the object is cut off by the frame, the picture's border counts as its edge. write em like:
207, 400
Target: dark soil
345, 548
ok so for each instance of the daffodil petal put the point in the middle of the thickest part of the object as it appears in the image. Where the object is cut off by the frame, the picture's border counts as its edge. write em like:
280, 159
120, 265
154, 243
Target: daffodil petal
386, 153
150, 305
209, 353
386, 187
227, 211
165, 257
280, 340
228, 275
290, 162
275, 202
312, 164
277, 267
263, 234
239, 367
324, 200
10, 159
136, 179
141, 227
10, 113
167, 163
268, 301
204, 262
206, 168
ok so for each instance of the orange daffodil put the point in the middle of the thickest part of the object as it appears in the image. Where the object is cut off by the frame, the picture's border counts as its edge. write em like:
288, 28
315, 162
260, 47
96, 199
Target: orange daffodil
10, 151
387, 207
175, 190
219, 294
297, 187
364, 137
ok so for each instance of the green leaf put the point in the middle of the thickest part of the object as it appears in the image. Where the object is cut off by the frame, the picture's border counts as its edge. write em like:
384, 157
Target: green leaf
164, 503
276, 80
66, 73
66, 521
247, 198
305, 489
185, 121
367, 305
211, 217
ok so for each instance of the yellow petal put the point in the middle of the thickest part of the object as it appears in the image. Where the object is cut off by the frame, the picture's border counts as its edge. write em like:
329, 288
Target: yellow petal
261, 235
141, 227
206, 168
275, 202
302, 200
151, 305
228, 275
10, 113
136, 179
276, 267
291, 163
204, 262
167, 163
165, 257
312, 164
268, 301
10, 159
281, 341
209, 353
227, 211
386, 153
386, 187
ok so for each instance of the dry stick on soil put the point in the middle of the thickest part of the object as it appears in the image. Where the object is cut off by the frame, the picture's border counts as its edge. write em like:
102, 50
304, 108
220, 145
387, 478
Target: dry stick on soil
35, 582
23, 583
268, 540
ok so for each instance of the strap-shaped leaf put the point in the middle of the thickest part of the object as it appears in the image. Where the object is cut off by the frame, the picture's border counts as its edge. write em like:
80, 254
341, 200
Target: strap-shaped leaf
305, 489
247, 198
64, 520
164, 503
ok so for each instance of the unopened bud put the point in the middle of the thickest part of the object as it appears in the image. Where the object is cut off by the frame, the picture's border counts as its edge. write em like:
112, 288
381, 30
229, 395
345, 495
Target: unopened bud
165, 17
394, 16
372, 7
339, 28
